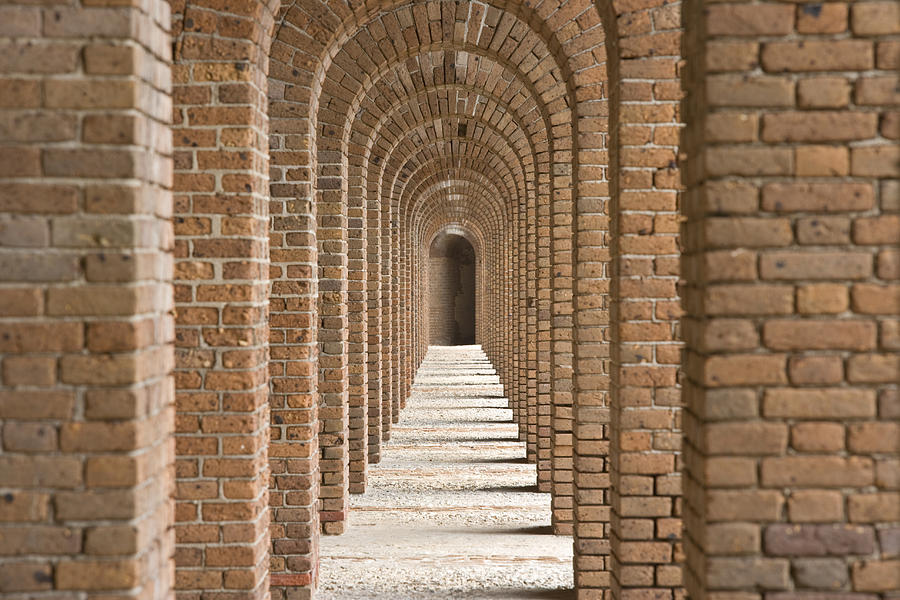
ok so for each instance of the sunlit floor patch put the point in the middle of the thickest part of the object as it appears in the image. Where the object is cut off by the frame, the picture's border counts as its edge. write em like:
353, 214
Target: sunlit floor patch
452, 510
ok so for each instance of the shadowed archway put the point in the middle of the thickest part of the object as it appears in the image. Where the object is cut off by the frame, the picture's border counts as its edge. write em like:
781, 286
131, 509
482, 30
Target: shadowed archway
451, 291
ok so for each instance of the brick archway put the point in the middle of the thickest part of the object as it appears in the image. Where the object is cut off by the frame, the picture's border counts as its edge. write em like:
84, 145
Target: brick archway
271, 262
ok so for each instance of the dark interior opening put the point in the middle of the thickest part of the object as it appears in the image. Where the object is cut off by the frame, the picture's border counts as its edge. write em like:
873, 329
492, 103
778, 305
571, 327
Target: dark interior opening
451, 290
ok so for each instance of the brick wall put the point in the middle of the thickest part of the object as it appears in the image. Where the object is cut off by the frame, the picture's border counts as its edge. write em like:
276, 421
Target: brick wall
790, 241
86, 401
318, 150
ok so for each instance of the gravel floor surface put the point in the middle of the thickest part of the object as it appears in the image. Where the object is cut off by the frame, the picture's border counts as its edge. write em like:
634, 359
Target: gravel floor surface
452, 510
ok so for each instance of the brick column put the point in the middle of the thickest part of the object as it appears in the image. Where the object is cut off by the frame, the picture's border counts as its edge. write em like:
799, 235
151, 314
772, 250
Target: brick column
791, 455
222, 261
387, 334
645, 417
375, 315
561, 347
543, 298
357, 348
86, 395
334, 459
530, 302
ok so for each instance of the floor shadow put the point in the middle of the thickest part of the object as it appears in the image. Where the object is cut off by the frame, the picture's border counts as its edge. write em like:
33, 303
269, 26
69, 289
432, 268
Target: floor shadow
486, 440
498, 460
512, 489
526, 594
536, 530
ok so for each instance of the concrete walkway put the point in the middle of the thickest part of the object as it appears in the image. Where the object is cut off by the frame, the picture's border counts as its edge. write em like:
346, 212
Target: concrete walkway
452, 511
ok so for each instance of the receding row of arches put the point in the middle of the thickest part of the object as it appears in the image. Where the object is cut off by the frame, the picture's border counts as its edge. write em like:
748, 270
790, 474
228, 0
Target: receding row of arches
635, 208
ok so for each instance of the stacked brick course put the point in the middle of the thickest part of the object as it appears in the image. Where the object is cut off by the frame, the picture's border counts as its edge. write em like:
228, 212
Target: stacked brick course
319, 149
791, 431
86, 403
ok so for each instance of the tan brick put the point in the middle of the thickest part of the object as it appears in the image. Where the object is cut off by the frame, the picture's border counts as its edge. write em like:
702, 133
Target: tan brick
749, 299
743, 505
825, 161
875, 18
820, 335
816, 369
36, 371
822, 230
873, 368
817, 471
746, 20
870, 298
731, 56
819, 403
818, 126
87, 575
876, 576
817, 437
815, 506
823, 92
873, 438
745, 369
728, 90
873, 508
817, 197
820, 265
829, 17
809, 55
875, 161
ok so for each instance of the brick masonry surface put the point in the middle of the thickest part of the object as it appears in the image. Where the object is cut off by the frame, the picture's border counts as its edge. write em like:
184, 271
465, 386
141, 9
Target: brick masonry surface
217, 280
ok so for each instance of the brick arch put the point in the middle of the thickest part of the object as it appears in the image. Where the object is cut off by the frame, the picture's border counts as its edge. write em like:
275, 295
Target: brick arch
475, 181
330, 120
288, 115
561, 374
432, 155
419, 129
433, 214
470, 232
366, 132
437, 216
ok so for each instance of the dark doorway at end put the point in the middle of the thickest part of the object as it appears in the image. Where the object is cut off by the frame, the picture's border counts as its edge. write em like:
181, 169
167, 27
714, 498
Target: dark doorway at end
451, 291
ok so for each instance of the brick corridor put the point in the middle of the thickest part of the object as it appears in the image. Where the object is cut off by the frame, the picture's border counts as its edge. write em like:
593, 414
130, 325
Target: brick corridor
452, 506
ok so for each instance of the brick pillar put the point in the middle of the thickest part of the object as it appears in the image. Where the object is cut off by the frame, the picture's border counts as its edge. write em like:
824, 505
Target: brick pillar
528, 410
334, 459
530, 301
86, 393
397, 273
375, 315
791, 455
293, 400
543, 298
561, 348
357, 342
387, 334
221, 272
644, 430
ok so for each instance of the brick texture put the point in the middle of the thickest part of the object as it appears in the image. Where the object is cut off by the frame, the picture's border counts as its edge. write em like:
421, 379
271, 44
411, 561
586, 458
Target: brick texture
86, 331
221, 293
680, 227
786, 309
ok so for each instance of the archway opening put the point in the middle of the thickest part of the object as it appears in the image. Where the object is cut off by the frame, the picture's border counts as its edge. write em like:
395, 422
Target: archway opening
451, 291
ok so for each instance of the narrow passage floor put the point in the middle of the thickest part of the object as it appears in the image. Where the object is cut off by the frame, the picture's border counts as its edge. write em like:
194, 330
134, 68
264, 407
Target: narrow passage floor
452, 510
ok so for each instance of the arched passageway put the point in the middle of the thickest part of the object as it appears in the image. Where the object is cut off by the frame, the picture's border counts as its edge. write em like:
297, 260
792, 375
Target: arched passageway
215, 231
451, 291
